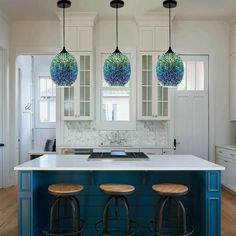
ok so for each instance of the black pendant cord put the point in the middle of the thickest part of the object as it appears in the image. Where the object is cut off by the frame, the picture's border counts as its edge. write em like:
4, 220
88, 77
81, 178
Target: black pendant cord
64, 34
117, 31
169, 27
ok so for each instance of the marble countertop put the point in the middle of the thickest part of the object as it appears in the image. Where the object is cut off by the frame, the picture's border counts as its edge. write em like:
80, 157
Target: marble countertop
154, 163
231, 147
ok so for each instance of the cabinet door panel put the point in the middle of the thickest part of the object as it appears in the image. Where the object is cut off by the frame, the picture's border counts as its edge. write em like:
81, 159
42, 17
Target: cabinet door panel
71, 38
161, 38
147, 38
224, 163
84, 39
231, 175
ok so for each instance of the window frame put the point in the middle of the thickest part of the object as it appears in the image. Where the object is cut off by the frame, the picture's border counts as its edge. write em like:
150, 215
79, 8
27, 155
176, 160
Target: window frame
116, 125
38, 123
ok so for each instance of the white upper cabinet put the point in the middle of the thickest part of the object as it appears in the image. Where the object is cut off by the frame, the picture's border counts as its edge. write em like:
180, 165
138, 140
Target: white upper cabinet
153, 38
79, 39
76, 102
153, 98
153, 32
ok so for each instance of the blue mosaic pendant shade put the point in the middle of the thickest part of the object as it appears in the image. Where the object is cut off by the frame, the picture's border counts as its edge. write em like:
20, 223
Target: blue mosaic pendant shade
64, 69
170, 69
117, 69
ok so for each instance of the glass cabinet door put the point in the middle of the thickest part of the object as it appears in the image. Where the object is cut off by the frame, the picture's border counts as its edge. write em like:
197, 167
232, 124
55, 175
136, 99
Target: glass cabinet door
69, 102
154, 101
76, 100
162, 100
146, 86
85, 86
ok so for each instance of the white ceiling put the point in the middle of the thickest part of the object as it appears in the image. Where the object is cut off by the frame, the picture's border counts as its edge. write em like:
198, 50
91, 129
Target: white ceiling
187, 9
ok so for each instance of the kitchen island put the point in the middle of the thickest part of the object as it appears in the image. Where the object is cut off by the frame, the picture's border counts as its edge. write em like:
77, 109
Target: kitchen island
202, 177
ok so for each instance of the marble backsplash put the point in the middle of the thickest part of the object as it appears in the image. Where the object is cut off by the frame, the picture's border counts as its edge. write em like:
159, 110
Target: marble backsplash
84, 133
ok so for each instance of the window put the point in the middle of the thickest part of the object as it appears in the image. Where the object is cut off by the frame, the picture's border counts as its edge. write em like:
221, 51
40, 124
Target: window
117, 103
193, 79
46, 108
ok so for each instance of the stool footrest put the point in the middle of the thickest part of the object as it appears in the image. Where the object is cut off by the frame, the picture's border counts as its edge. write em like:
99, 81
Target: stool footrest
64, 231
169, 232
135, 227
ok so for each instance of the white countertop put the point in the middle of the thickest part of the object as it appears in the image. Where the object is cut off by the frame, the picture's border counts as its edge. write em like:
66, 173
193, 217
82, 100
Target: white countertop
117, 146
155, 163
231, 147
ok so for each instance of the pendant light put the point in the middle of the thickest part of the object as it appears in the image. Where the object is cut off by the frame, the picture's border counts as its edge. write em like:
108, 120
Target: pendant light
170, 68
116, 68
64, 68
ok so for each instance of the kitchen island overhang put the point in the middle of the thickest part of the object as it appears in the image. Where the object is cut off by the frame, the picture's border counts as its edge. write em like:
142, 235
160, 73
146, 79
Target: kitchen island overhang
202, 177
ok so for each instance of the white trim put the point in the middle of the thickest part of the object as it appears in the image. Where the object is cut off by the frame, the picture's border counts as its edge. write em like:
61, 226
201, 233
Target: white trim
38, 123
116, 125
6, 173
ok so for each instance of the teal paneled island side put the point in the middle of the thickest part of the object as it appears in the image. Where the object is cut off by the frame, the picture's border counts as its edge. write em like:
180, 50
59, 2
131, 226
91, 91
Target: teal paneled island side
202, 203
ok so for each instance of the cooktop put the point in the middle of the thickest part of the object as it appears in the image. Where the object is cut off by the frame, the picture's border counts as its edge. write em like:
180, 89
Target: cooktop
118, 154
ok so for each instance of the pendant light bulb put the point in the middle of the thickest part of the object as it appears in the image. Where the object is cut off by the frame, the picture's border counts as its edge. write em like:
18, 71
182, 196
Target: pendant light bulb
64, 67
170, 67
116, 68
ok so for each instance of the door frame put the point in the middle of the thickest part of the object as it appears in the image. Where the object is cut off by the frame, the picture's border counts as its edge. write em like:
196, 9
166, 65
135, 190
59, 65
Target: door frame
6, 164
211, 104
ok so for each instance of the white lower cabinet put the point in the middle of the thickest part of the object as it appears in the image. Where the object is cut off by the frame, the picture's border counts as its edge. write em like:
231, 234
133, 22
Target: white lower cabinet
231, 175
227, 158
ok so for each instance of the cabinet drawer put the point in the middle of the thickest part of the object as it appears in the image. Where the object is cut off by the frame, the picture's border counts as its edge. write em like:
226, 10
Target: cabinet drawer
151, 151
167, 151
226, 153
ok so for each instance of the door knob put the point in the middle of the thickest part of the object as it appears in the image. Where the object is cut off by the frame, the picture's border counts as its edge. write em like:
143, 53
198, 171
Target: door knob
2, 144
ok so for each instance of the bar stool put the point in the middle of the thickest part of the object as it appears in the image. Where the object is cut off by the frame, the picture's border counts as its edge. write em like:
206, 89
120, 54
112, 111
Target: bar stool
167, 193
65, 196
116, 193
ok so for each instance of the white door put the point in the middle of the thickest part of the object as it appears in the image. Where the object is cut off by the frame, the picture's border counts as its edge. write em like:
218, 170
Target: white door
2, 144
191, 108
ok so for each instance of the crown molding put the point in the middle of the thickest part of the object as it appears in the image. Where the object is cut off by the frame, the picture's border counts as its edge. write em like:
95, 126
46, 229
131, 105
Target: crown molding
79, 18
154, 19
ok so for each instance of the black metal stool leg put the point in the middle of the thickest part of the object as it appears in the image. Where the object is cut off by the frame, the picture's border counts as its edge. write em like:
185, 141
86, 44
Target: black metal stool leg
52, 211
184, 216
158, 206
105, 216
78, 212
161, 213
125, 201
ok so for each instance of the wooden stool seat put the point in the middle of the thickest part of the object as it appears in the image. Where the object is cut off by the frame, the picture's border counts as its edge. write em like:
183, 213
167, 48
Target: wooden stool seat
65, 189
117, 189
168, 189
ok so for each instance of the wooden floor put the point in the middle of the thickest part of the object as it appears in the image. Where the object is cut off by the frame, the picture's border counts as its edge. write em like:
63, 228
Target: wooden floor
8, 213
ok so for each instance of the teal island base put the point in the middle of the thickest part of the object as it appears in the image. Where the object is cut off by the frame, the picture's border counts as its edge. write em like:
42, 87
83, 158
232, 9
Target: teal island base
202, 203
